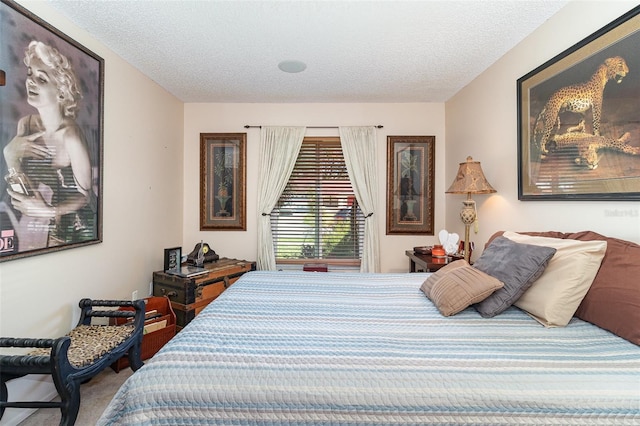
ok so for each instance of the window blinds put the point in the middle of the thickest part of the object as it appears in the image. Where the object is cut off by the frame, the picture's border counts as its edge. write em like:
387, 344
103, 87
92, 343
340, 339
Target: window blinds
317, 216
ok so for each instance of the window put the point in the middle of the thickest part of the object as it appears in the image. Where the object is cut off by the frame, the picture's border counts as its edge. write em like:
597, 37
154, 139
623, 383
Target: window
317, 216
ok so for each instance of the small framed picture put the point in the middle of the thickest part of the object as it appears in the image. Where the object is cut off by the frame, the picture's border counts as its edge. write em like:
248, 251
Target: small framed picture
172, 258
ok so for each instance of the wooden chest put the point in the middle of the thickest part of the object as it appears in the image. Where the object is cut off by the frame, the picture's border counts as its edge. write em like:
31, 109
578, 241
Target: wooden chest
190, 295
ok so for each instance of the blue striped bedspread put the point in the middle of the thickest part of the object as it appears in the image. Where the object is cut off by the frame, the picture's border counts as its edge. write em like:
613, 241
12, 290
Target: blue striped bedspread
308, 348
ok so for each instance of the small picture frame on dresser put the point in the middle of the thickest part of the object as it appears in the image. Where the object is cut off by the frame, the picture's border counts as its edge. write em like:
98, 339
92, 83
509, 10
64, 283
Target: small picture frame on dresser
172, 258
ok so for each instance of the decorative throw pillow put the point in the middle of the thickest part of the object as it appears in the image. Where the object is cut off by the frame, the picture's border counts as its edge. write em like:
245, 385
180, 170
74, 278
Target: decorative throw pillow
613, 300
516, 265
556, 295
458, 285
438, 275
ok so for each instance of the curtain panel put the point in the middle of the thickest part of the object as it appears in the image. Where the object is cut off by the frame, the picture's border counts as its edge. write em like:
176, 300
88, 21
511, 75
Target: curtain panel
359, 149
279, 148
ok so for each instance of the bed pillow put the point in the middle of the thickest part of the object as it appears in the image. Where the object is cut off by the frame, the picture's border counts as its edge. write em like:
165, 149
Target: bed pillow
517, 265
556, 295
457, 286
613, 300
550, 234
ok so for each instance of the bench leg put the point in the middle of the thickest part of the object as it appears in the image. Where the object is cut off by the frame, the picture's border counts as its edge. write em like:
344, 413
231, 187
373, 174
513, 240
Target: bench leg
4, 395
135, 356
70, 397
4, 392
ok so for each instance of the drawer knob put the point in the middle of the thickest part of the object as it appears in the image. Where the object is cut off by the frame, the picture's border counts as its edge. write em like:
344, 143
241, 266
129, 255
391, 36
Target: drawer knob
226, 282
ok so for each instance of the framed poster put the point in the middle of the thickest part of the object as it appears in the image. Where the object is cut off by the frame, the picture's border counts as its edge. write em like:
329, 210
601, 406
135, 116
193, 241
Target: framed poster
51, 126
578, 127
410, 178
222, 181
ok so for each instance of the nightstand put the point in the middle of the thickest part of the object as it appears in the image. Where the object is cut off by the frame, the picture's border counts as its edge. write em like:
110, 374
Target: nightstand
426, 263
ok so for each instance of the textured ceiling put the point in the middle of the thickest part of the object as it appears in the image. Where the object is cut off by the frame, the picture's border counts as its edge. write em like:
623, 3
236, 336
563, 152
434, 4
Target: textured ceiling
355, 51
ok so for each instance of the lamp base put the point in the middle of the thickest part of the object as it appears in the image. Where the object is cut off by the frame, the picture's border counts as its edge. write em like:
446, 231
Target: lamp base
468, 216
461, 250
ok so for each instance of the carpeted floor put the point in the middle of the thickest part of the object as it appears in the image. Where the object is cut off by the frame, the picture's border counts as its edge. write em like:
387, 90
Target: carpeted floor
95, 395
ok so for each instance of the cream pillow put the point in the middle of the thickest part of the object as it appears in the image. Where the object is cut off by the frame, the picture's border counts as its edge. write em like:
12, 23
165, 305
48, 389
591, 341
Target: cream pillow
555, 296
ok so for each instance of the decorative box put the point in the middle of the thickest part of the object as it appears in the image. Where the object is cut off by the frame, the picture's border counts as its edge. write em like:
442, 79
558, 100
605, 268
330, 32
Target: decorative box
315, 267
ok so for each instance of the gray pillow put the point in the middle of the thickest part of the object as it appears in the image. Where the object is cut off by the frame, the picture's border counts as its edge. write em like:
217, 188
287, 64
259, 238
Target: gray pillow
517, 265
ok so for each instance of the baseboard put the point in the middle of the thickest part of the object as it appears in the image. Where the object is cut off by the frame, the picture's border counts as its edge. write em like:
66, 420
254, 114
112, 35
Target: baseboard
29, 388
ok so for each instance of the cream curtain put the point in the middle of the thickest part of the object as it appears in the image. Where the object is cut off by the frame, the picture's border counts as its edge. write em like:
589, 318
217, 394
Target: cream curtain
359, 149
279, 148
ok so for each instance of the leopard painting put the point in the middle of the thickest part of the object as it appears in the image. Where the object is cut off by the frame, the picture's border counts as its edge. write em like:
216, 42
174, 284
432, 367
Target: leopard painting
588, 146
578, 98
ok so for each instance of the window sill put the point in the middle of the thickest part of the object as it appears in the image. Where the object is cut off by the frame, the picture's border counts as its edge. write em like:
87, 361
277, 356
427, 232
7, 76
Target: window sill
332, 267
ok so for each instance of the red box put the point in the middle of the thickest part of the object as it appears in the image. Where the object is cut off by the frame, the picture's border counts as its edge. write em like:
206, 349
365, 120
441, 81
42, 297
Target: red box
315, 267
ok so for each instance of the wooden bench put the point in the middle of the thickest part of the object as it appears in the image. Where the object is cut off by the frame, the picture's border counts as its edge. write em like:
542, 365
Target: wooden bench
75, 358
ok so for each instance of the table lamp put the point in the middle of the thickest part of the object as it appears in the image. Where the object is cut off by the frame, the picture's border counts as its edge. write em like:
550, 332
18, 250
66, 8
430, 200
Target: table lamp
469, 180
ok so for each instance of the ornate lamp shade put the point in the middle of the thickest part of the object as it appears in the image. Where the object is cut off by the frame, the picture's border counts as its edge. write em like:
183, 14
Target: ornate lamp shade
469, 180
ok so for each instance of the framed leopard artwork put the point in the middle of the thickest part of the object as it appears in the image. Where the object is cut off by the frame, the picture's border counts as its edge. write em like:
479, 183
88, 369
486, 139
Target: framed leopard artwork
579, 119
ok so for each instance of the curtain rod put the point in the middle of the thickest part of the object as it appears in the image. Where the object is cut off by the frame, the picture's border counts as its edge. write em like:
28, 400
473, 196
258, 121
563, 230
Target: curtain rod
379, 126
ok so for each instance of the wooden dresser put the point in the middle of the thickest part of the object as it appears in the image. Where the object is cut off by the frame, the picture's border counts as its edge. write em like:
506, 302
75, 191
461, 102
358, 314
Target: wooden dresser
191, 294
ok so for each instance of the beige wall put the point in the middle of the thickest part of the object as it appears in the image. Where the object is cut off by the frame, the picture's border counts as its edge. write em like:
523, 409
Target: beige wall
481, 122
397, 119
142, 196
151, 174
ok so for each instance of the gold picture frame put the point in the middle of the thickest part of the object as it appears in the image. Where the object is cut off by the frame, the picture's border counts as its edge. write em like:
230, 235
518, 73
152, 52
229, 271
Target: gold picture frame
410, 183
222, 181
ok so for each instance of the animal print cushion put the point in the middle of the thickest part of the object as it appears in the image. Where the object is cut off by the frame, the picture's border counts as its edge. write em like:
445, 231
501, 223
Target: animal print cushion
90, 342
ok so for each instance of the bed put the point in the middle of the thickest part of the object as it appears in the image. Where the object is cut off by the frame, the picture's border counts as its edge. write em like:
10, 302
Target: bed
304, 348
